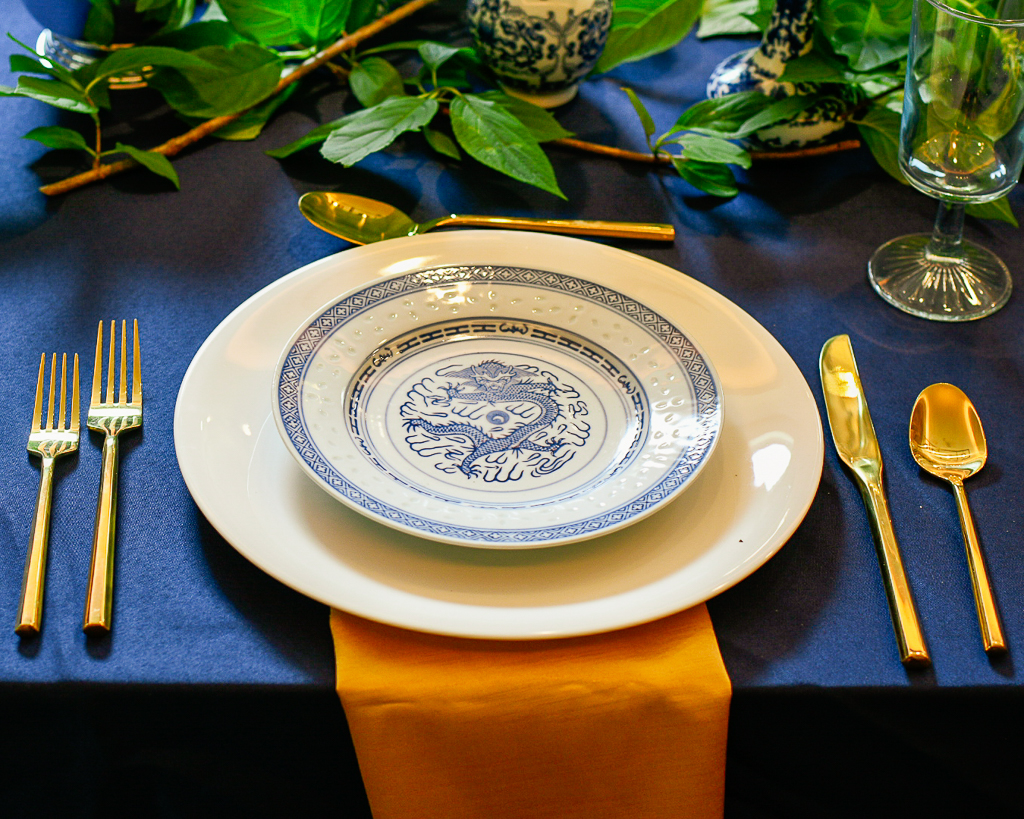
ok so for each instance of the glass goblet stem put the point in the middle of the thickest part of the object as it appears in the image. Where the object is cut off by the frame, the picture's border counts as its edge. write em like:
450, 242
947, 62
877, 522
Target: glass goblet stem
947, 235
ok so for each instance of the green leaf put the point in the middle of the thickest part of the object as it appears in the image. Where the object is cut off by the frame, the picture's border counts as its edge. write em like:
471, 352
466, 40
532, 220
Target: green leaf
149, 5
710, 177
880, 130
820, 65
99, 25
869, 33
320, 22
736, 116
268, 22
495, 138
999, 209
642, 28
761, 17
374, 79
722, 116
727, 18
250, 124
360, 134
713, 149
52, 92
540, 122
227, 80
157, 163
197, 35
779, 111
434, 55
442, 143
313, 23
314, 137
29, 64
53, 136
127, 60
641, 110
365, 11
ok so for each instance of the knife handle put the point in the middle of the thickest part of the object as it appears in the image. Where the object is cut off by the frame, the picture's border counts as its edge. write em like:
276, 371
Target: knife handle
901, 603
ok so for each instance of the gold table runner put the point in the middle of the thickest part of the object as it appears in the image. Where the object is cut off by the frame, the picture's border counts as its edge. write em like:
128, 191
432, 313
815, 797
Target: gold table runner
630, 723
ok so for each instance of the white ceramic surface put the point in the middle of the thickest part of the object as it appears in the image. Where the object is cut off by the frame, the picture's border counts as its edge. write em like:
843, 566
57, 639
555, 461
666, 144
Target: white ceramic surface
745, 504
497, 407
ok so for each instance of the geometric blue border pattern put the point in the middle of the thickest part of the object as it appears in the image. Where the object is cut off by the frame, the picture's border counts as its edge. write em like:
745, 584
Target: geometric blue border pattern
306, 345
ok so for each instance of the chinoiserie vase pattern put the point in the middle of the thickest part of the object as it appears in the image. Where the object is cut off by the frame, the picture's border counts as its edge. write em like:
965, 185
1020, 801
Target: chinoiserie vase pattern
788, 36
540, 49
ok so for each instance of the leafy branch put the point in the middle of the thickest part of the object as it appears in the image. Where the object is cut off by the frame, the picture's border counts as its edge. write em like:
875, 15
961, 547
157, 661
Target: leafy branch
499, 131
703, 136
858, 45
208, 70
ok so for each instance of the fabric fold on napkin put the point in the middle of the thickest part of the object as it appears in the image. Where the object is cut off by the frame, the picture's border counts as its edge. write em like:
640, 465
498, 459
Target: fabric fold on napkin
630, 723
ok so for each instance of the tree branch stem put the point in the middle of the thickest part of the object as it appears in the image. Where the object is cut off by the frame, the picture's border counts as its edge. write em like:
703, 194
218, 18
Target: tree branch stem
664, 159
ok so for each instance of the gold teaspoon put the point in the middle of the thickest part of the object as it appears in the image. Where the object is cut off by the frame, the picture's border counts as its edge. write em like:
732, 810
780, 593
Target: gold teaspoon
361, 221
947, 440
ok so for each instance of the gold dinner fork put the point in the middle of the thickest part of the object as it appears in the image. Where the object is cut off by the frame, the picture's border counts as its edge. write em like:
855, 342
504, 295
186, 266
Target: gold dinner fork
111, 417
48, 442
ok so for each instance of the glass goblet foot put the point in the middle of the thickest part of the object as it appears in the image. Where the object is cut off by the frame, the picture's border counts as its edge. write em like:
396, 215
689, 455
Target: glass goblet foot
968, 284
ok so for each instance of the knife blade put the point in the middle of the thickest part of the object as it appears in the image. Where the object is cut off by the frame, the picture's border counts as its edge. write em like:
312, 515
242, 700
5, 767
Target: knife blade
857, 445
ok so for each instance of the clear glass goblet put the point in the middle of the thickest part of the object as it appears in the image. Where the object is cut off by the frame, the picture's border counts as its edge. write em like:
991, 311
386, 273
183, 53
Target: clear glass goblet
961, 141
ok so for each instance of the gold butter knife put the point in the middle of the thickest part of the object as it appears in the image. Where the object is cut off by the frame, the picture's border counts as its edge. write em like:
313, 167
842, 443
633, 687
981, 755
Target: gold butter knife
855, 441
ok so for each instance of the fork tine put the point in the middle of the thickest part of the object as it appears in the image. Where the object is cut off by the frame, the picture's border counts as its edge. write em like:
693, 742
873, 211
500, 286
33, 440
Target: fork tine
123, 395
136, 369
37, 409
110, 363
97, 375
53, 379
74, 398
63, 388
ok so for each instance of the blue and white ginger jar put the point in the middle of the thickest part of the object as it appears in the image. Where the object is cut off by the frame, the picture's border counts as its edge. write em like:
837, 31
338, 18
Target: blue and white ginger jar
540, 49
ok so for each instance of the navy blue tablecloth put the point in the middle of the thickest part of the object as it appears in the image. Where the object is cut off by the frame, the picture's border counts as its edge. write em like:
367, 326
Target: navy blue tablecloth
214, 694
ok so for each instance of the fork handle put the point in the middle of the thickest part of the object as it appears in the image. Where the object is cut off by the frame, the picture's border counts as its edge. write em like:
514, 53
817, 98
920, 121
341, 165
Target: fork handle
30, 610
100, 595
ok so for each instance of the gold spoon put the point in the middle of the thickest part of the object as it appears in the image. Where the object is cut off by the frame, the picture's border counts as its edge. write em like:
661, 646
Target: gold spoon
362, 221
947, 440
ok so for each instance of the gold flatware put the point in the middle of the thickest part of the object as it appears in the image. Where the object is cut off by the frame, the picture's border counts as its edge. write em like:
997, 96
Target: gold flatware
111, 414
855, 441
49, 443
947, 440
362, 221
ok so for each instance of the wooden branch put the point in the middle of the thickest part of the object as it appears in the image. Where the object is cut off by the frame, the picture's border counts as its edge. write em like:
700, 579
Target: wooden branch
179, 143
814, 150
614, 153
664, 159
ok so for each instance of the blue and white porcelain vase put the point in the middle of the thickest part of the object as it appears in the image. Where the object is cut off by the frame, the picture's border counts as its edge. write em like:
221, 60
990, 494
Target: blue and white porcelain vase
540, 49
788, 36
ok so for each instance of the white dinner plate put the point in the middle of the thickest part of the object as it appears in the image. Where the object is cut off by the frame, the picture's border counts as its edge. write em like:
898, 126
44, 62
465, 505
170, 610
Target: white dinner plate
495, 406
746, 502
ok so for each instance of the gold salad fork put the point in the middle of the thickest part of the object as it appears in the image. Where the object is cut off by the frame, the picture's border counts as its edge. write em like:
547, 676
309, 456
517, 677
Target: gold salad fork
48, 442
110, 415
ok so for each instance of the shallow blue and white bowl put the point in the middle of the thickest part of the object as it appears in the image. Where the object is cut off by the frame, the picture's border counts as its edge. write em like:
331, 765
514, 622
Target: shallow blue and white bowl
497, 407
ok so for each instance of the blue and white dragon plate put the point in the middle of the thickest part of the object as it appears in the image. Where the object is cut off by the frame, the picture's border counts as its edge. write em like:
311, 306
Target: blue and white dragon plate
497, 407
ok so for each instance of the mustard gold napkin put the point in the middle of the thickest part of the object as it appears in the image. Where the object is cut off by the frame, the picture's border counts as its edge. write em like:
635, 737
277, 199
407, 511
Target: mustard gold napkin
631, 723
